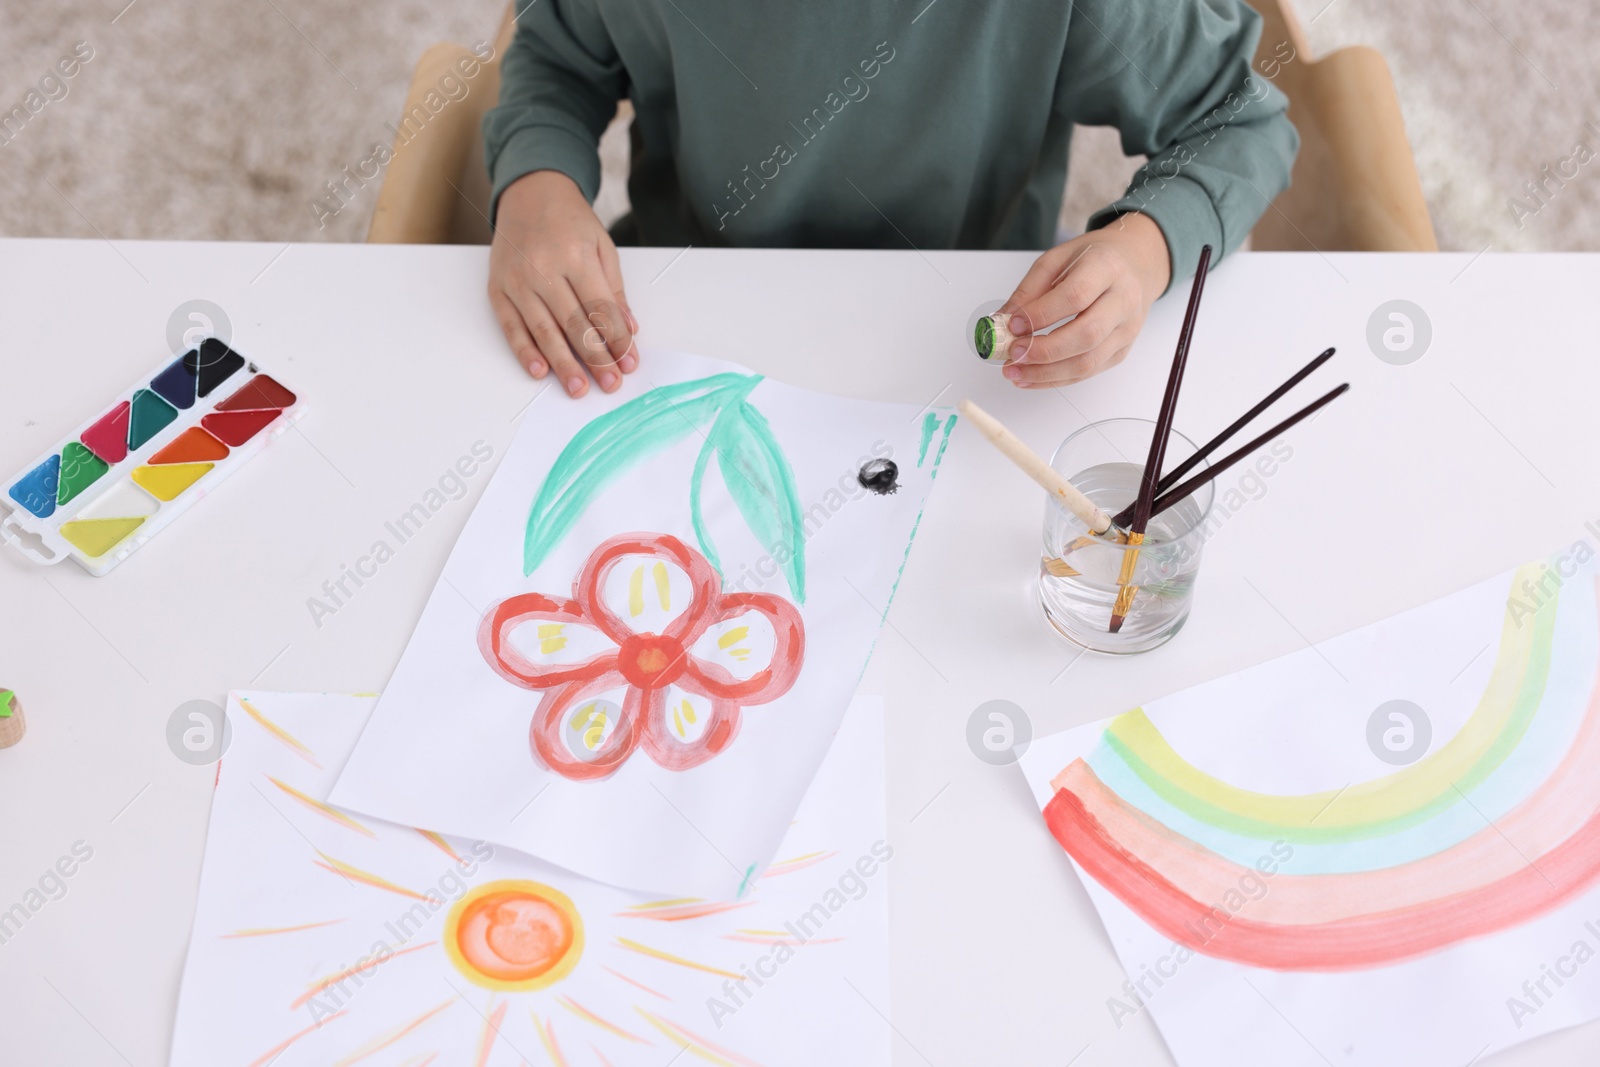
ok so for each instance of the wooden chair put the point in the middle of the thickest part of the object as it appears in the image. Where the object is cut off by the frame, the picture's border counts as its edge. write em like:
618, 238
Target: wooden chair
1355, 184
436, 190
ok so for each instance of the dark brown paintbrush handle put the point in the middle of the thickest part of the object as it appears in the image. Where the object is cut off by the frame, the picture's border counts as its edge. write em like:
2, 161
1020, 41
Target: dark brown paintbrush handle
1169, 400
1172, 496
1169, 479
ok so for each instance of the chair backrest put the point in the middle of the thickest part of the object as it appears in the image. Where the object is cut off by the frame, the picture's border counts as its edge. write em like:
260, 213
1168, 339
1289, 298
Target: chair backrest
1355, 184
436, 190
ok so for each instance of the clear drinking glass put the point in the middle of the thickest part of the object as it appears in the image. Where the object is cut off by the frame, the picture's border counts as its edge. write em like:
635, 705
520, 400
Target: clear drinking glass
1079, 574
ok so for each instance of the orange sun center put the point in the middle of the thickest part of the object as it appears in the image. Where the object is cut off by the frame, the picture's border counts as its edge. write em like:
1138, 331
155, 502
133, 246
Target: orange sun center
514, 935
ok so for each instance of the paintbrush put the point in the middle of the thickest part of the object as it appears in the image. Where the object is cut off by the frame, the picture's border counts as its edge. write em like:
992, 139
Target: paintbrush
1168, 480
1036, 468
1183, 489
1158, 446
1058, 566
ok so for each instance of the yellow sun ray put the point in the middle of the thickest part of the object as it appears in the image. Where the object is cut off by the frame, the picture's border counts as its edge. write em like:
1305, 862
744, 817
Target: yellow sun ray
694, 1043
280, 733
656, 953
690, 910
636, 984
674, 902
327, 811
366, 965
356, 874
733, 636
775, 937
264, 931
798, 863
588, 1016
547, 1038
277, 1050
383, 1041
441, 844
491, 1030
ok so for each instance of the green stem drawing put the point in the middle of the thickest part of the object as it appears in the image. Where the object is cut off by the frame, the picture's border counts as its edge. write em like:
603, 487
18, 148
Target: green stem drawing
753, 466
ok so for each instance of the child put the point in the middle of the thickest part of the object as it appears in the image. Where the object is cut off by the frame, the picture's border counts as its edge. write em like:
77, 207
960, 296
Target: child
867, 123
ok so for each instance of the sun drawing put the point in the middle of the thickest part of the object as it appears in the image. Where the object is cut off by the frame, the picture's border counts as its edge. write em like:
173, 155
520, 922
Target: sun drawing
514, 935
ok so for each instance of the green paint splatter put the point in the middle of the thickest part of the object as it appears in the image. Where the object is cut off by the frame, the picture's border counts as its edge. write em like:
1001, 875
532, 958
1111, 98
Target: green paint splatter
930, 423
949, 424
744, 884
6, 696
905, 557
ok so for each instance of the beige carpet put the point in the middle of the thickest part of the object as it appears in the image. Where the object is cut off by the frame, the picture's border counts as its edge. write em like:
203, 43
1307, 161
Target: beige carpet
205, 119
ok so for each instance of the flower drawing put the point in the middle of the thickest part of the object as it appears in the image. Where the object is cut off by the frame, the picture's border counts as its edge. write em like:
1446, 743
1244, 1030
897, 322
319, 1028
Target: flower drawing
649, 651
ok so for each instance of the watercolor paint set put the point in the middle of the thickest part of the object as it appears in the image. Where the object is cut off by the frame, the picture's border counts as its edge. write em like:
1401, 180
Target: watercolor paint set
163, 445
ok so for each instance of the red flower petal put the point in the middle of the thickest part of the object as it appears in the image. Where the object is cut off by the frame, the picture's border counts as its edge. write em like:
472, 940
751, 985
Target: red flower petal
549, 722
687, 626
674, 755
788, 652
512, 665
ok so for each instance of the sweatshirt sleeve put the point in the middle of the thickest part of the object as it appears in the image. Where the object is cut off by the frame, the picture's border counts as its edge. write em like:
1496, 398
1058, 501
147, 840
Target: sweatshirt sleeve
1176, 79
560, 82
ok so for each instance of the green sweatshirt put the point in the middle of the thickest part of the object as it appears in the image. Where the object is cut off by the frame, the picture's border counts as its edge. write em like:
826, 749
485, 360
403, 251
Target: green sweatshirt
864, 123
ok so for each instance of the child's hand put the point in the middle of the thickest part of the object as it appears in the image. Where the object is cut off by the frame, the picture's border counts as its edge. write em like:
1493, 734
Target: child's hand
1108, 279
556, 286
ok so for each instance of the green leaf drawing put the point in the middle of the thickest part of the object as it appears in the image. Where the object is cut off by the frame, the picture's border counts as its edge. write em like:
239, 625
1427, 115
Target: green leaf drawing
761, 482
617, 441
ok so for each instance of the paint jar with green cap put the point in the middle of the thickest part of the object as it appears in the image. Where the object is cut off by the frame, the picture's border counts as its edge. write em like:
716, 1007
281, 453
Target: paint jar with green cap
12, 725
993, 338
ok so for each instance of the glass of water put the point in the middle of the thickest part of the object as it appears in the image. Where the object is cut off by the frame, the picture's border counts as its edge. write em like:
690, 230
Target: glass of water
1079, 575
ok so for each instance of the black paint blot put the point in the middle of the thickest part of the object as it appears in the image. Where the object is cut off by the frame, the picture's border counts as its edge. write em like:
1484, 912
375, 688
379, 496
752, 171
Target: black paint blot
880, 476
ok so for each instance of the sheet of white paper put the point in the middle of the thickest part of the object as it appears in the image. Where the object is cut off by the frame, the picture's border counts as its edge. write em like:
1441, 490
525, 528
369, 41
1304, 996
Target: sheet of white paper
324, 937
1357, 933
455, 743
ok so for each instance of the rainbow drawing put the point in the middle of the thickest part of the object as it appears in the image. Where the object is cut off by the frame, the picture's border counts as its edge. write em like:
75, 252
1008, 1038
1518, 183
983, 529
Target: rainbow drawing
1496, 825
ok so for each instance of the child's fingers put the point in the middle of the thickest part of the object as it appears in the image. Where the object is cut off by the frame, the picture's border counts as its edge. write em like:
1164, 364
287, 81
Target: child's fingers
612, 267
1040, 277
1079, 287
1085, 333
516, 332
1074, 368
585, 324
581, 337
551, 341
607, 337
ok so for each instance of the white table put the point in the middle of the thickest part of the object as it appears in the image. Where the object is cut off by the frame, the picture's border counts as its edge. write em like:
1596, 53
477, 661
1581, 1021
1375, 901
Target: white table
998, 957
